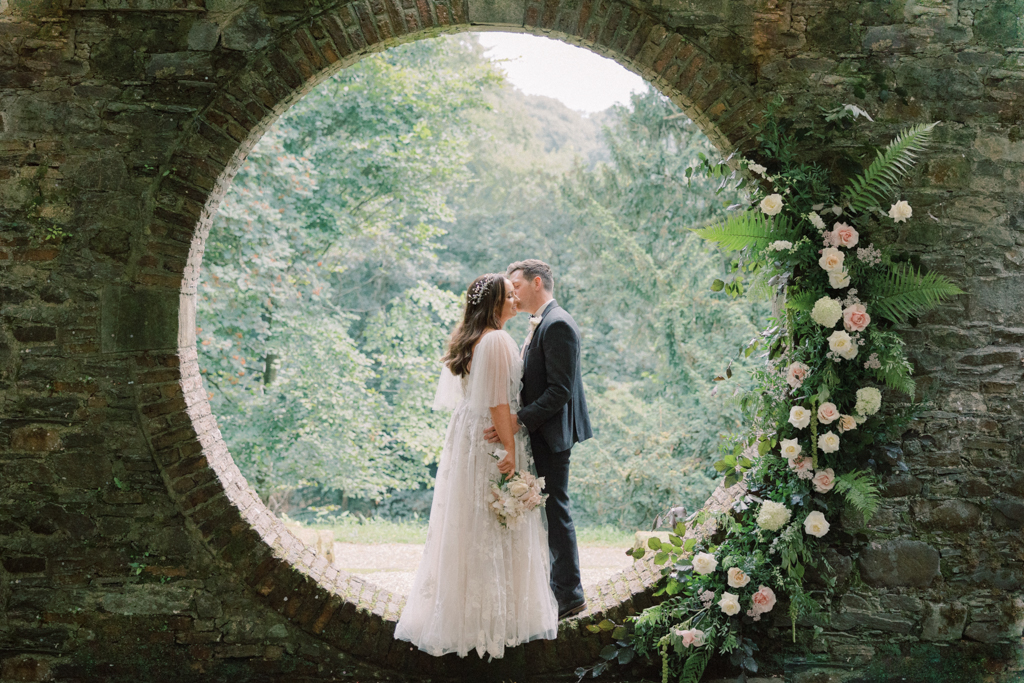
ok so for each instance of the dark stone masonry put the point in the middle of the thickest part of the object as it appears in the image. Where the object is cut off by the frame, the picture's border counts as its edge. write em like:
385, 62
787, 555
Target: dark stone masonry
131, 549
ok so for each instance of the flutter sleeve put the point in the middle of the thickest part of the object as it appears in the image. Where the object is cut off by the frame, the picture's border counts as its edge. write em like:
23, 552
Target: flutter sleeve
496, 372
449, 390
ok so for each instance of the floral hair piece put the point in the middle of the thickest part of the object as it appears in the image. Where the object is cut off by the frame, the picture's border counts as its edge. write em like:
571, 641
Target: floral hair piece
477, 291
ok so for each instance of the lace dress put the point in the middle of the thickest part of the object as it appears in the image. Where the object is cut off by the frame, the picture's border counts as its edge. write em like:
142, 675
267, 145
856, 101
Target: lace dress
479, 585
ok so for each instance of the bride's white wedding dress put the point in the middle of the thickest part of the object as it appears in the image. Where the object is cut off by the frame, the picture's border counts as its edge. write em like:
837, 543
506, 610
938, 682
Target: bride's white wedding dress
479, 585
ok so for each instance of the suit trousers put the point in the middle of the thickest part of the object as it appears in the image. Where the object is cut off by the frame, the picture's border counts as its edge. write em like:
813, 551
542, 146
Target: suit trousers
565, 559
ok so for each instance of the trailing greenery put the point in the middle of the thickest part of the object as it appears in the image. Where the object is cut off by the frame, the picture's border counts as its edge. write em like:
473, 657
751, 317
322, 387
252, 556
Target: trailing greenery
814, 419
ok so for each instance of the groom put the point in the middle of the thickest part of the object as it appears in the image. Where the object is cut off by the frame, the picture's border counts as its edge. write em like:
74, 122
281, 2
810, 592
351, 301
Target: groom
554, 411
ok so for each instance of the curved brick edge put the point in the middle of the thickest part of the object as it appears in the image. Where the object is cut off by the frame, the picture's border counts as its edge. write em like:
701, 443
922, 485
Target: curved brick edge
355, 616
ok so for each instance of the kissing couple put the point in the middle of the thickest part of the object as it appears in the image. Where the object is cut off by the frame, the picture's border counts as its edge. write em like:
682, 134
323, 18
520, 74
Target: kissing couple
482, 585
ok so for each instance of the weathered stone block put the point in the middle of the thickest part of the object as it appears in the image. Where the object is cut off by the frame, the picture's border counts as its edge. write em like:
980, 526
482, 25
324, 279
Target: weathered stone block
150, 599
1008, 513
949, 515
943, 622
249, 30
899, 562
35, 439
203, 36
141, 319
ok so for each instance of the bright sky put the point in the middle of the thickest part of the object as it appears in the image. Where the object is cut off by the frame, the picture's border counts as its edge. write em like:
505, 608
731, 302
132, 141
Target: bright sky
580, 79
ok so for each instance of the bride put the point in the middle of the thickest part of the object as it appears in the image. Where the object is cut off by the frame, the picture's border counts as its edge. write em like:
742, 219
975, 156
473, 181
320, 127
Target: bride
480, 585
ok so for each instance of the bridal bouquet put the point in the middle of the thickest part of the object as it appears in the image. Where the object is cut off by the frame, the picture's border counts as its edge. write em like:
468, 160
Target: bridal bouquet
513, 497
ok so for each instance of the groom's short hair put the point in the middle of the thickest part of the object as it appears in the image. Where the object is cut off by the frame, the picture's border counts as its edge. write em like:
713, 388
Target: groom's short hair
532, 268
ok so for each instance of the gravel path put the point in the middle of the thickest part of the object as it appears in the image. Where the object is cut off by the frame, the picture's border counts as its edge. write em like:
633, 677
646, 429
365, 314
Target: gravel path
393, 565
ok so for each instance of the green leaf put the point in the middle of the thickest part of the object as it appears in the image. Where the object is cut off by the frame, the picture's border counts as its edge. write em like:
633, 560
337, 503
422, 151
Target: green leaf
609, 652
875, 187
689, 544
661, 558
606, 625
680, 528
801, 301
695, 665
903, 292
619, 632
752, 228
860, 491
638, 553
626, 655
717, 285
675, 540
654, 543
593, 629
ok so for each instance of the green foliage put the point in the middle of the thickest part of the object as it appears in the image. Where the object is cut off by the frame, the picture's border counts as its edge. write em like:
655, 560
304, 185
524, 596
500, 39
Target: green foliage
860, 492
878, 183
751, 229
695, 665
901, 292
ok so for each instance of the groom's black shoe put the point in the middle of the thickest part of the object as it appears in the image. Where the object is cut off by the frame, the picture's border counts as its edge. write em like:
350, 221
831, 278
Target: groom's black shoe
572, 610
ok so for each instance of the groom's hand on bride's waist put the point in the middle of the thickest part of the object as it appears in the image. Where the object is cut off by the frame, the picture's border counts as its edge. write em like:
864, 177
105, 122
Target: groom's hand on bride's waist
491, 433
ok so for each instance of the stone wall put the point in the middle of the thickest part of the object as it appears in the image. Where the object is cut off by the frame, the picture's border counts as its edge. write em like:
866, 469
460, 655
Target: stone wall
130, 545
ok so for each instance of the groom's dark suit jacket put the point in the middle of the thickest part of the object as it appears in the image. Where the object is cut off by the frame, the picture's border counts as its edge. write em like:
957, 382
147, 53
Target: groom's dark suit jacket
552, 395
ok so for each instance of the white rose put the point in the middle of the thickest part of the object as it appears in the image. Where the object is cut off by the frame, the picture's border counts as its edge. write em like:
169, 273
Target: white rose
900, 212
869, 400
827, 311
704, 563
816, 220
828, 442
773, 516
757, 168
737, 578
772, 204
816, 524
840, 342
799, 417
790, 449
518, 488
831, 260
839, 280
729, 603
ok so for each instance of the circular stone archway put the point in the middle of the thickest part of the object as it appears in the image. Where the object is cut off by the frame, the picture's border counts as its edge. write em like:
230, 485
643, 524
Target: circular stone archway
348, 613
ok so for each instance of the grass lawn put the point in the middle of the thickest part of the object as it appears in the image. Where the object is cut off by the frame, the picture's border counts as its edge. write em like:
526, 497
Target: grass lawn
374, 531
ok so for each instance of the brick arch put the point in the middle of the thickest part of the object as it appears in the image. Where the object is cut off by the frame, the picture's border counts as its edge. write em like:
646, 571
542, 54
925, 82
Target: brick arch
346, 612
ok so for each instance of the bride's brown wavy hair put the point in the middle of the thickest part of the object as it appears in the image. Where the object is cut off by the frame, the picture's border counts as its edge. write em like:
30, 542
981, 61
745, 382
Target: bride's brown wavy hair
485, 297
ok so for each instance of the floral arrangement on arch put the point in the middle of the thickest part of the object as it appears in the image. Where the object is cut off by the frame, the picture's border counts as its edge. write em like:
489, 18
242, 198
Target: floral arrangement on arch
815, 419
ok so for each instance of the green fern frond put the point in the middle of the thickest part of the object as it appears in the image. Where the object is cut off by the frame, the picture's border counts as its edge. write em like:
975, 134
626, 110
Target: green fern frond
878, 183
897, 379
800, 301
751, 228
860, 491
903, 292
695, 665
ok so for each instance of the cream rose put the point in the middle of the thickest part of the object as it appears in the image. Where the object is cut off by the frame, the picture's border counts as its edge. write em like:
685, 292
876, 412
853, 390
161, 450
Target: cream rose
799, 417
846, 423
824, 480
827, 311
699, 637
840, 342
840, 280
844, 235
737, 578
518, 488
831, 260
816, 524
828, 442
729, 603
704, 563
772, 204
773, 516
796, 373
900, 212
855, 318
869, 400
790, 449
827, 413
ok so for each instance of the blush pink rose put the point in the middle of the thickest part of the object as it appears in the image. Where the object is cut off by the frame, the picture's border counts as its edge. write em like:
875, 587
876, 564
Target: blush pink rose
844, 235
846, 423
804, 467
828, 413
796, 374
855, 318
763, 600
824, 480
687, 637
